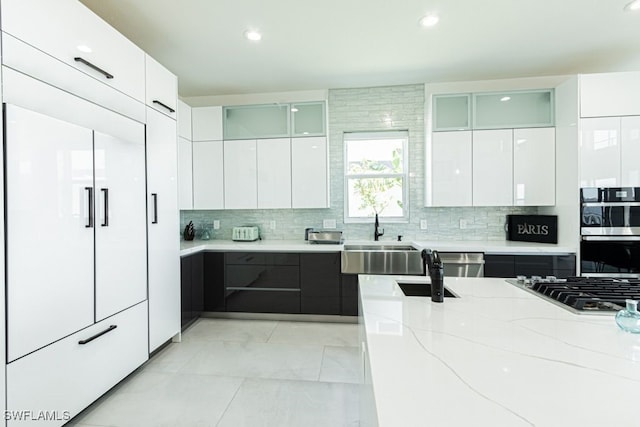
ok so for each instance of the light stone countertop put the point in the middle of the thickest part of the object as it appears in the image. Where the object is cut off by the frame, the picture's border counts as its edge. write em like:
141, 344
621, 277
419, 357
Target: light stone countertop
488, 247
496, 356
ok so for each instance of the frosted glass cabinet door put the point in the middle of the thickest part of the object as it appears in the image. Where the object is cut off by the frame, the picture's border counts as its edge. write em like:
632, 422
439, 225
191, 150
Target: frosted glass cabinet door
521, 109
240, 175
255, 121
208, 175
121, 238
274, 173
534, 167
451, 112
308, 119
309, 184
451, 169
630, 152
49, 179
493, 167
600, 152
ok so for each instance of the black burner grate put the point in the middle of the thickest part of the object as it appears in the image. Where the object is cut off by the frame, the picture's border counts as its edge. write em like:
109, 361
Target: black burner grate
590, 293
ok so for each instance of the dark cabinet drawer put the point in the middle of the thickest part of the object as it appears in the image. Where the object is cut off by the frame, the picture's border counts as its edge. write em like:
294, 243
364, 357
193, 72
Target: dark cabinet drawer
561, 266
260, 301
262, 258
499, 266
262, 276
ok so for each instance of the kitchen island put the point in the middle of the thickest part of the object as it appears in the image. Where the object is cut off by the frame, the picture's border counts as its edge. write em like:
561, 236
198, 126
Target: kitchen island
495, 356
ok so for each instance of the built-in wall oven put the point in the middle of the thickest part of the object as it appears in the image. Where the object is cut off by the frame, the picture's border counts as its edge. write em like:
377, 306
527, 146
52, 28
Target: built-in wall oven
610, 231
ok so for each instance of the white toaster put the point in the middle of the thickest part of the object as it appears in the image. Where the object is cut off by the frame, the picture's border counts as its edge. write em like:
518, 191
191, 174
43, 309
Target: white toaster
245, 234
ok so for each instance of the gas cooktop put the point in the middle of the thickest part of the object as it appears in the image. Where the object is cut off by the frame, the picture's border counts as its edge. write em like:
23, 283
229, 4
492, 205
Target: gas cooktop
592, 295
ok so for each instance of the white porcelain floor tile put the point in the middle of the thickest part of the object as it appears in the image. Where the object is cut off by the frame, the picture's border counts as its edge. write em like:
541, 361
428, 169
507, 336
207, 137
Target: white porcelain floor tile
341, 365
277, 403
165, 400
174, 356
336, 334
257, 360
207, 329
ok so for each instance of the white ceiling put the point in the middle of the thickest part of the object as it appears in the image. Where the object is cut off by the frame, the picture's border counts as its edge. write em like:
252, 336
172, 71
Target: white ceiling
320, 44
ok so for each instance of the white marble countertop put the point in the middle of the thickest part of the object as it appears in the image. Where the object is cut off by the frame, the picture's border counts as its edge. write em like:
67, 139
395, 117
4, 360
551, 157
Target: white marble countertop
496, 356
488, 247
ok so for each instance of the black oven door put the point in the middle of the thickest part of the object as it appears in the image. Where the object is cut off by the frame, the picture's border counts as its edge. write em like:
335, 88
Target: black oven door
610, 256
610, 219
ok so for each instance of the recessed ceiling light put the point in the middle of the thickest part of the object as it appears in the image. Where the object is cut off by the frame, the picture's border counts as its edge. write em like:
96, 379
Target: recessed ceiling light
632, 6
253, 35
505, 98
294, 110
429, 20
84, 48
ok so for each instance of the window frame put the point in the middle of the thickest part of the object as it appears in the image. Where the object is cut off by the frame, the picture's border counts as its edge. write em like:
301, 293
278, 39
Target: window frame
379, 135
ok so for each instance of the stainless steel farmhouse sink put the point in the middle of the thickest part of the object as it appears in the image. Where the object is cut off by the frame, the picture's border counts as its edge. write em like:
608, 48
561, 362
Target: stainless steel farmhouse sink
381, 259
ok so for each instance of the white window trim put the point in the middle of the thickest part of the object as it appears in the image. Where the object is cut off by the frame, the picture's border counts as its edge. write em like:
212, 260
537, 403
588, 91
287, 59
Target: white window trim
382, 134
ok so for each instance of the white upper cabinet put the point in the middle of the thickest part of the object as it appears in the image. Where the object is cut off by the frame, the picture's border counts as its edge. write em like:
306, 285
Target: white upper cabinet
207, 123
208, 175
630, 166
493, 167
274, 173
600, 152
161, 89
309, 180
240, 175
70, 32
534, 167
184, 121
451, 171
185, 173
256, 121
610, 94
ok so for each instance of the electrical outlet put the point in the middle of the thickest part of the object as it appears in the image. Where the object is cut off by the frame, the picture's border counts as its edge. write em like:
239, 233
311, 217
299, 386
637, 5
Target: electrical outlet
329, 223
272, 225
216, 224
423, 224
463, 224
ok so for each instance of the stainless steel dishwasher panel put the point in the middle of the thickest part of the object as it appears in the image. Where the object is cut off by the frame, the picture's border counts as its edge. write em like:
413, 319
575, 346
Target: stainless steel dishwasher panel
463, 264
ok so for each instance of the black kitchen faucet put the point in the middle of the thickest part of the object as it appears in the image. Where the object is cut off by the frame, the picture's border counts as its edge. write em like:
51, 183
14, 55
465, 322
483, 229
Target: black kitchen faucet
377, 233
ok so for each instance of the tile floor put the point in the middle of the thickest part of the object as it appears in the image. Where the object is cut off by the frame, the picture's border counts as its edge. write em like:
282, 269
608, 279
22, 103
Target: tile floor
242, 373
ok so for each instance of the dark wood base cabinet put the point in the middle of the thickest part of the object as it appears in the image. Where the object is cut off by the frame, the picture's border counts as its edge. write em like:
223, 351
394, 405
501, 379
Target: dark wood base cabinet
349, 286
191, 287
320, 283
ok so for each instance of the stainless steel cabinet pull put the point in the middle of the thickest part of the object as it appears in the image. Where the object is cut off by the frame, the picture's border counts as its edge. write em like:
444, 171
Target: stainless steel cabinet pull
90, 190
171, 110
155, 208
105, 222
90, 65
98, 335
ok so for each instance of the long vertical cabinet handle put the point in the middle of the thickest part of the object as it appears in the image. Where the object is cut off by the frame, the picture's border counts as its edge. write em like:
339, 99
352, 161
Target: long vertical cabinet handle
105, 221
155, 208
90, 203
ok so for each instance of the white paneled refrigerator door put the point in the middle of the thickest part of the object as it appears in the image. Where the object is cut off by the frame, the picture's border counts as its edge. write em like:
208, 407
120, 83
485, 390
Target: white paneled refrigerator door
163, 223
121, 245
50, 229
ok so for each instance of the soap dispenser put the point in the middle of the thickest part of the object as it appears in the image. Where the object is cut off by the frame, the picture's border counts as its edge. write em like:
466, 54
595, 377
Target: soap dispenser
629, 318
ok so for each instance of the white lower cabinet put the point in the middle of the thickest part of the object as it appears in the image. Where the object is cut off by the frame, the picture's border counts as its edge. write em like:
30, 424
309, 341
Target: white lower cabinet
534, 167
451, 169
208, 175
163, 225
67, 376
309, 173
493, 167
274, 173
240, 174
